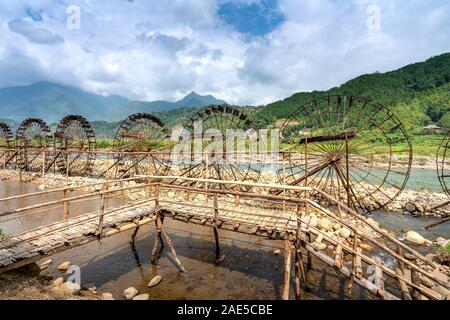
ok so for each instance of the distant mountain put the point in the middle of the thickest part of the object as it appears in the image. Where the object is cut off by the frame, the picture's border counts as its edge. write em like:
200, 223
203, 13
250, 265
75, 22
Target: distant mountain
401, 86
192, 100
51, 102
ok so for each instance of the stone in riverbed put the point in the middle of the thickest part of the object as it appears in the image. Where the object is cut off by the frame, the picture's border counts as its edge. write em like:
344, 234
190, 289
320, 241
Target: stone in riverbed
58, 282
441, 241
64, 266
410, 207
45, 264
130, 293
345, 233
143, 296
276, 252
107, 296
70, 288
415, 238
155, 281
324, 223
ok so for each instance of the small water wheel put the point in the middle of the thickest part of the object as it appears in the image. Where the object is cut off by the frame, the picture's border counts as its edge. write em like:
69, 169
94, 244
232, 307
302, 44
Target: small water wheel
33, 138
210, 121
443, 163
75, 146
142, 146
6, 144
354, 150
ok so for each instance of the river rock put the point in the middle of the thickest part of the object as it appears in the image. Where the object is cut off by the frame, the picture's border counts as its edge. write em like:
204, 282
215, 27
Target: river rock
366, 247
325, 223
70, 288
155, 281
319, 246
276, 252
143, 296
415, 238
58, 282
107, 296
344, 233
130, 293
441, 241
45, 264
64, 266
410, 207
313, 222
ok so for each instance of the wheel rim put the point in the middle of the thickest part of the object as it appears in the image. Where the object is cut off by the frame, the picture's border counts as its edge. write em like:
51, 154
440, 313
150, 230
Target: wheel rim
33, 137
443, 164
142, 132
326, 128
75, 136
221, 118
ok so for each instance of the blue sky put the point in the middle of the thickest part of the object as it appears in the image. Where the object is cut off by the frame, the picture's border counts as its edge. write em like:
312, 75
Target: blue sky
243, 51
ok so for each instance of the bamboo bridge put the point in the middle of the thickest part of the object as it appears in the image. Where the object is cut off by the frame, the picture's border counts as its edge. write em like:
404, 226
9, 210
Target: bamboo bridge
285, 215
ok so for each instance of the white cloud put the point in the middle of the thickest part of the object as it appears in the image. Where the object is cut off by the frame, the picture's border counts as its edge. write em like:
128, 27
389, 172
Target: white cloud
162, 50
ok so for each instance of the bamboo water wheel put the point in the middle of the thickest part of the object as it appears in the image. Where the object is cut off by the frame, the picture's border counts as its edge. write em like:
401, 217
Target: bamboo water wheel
6, 144
443, 163
142, 146
349, 147
210, 151
75, 146
33, 138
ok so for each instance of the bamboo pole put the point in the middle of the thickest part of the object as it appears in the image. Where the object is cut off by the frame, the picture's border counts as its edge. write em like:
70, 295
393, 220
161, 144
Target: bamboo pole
66, 204
287, 269
100, 222
216, 232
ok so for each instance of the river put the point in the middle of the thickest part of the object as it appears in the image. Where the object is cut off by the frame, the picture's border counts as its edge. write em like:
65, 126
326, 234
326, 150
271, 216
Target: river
250, 270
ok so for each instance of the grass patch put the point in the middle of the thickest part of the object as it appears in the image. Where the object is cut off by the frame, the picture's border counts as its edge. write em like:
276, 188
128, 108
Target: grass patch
443, 249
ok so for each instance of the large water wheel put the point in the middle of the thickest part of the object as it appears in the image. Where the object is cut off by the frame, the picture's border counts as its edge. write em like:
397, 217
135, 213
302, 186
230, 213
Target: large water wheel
443, 164
33, 138
210, 156
142, 146
355, 150
6, 144
75, 146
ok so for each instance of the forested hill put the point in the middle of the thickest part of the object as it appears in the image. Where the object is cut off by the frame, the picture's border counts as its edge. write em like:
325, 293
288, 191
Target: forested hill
421, 82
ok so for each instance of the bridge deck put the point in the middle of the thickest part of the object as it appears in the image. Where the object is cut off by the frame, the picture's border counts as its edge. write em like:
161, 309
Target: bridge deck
34, 244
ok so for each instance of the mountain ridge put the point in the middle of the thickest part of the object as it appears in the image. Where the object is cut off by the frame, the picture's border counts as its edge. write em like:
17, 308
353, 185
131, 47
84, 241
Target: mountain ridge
52, 101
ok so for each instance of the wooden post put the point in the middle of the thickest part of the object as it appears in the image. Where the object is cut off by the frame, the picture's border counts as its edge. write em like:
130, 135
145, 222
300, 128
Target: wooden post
415, 280
172, 249
401, 264
379, 281
216, 232
102, 214
158, 224
122, 193
43, 163
237, 199
67, 167
287, 269
149, 187
402, 284
66, 204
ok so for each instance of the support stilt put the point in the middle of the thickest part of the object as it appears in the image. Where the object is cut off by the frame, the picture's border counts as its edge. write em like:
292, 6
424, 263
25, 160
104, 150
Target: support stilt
172, 250
158, 240
287, 269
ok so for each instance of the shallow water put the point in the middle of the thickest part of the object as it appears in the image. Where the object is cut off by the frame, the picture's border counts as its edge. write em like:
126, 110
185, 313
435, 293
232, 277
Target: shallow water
249, 271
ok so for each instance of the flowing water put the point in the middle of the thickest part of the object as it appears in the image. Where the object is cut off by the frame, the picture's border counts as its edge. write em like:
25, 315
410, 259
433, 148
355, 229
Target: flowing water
250, 270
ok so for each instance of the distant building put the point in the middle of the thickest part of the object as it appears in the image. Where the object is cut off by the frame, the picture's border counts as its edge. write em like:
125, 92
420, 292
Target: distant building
433, 128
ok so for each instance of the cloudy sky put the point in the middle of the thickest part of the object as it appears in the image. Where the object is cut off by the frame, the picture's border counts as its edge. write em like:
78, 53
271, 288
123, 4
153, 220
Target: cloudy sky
242, 51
